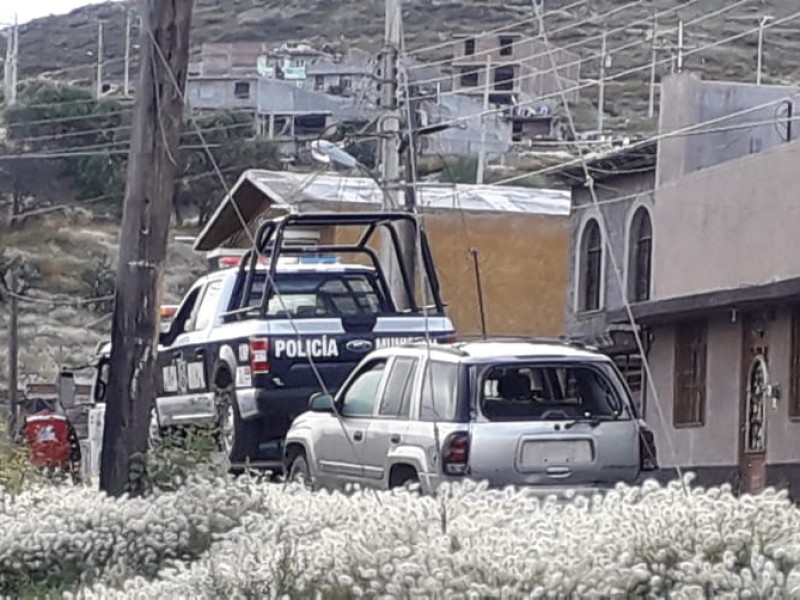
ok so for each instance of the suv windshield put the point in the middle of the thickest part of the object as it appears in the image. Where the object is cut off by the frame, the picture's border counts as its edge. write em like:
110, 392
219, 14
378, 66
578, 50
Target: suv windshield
532, 392
320, 295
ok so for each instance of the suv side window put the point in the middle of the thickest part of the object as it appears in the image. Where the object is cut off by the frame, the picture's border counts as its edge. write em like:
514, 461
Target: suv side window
362, 394
396, 400
439, 392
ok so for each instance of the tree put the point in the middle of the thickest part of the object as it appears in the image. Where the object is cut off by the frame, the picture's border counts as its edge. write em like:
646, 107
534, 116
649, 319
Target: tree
231, 143
62, 119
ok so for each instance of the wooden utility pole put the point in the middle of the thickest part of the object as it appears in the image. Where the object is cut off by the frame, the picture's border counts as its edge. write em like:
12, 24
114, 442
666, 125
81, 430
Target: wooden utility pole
13, 352
158, 116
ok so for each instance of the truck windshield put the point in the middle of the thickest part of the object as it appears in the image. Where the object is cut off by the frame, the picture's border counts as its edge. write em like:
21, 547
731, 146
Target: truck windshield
320, 295
534, 392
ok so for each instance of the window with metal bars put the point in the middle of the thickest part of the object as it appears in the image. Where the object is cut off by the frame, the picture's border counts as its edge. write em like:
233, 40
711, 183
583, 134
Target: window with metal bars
690, 374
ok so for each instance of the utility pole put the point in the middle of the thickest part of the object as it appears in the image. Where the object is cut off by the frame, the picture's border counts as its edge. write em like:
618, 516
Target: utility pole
99, 83
651, 102
760, 60
390, 158
601, 92
13, 352
10, 79
680, 45
158, 116
482, 148
127, 77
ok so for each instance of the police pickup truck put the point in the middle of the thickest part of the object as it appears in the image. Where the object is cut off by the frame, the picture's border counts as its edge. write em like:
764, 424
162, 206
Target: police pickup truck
249, 345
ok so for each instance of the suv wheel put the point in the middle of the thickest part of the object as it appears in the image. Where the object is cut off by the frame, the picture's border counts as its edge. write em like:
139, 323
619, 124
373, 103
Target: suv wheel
299, 471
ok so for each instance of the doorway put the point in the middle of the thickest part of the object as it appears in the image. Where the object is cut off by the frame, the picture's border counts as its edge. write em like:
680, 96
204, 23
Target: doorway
752, 413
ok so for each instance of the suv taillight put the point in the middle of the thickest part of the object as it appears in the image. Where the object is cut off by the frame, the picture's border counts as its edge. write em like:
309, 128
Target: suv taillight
259, 355
647, 449
448, 339
455, 453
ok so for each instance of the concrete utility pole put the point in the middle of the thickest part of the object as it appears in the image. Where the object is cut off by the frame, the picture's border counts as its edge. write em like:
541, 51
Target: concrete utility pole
158, 116
680, 46
651, 101
601, 92
99, 82
482, 148
10, 72
126, 86
760, 60
390, 158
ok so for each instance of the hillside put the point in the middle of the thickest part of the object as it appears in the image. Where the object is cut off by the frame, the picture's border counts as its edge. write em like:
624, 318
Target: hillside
63, 44
70, 254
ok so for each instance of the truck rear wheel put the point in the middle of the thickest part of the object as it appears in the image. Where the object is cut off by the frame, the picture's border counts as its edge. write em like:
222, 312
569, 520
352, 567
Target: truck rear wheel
228, 422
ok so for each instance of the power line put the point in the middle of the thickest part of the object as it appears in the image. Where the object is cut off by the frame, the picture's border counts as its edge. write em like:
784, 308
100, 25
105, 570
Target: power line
532, 38
604, 231
501, 29
591, 57
619, 75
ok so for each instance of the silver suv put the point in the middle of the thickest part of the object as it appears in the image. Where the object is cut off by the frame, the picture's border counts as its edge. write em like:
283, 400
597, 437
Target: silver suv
548, 414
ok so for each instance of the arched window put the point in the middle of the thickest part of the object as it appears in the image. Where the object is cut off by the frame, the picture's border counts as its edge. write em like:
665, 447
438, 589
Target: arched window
641, 253
591, 267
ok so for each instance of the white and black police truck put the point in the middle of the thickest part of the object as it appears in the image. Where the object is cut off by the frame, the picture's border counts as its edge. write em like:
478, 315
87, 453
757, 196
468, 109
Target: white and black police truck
250, 344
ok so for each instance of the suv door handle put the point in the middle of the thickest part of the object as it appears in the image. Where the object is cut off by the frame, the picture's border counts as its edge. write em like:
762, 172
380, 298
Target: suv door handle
358, 435
395, 438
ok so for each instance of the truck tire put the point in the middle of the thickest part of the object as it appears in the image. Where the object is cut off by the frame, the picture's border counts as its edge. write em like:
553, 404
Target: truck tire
228, 422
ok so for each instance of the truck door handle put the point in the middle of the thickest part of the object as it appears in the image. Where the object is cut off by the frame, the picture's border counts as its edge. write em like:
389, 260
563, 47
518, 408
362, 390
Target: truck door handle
395, 438
358, 435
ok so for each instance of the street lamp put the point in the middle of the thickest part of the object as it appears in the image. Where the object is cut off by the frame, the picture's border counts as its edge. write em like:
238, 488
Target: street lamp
326, 152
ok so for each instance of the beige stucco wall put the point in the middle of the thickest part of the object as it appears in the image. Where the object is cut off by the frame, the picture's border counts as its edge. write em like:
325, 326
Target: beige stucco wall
717, 442
727, 226
523, 263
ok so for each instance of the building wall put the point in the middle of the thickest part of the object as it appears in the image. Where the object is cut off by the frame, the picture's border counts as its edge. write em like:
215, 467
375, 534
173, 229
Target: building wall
523, 270
713, 449
218, 93
535, 75
730, 225
636, 190
686, 100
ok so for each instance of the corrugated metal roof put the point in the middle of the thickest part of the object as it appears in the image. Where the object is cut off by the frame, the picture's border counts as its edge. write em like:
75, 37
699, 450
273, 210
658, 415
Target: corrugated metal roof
363, 190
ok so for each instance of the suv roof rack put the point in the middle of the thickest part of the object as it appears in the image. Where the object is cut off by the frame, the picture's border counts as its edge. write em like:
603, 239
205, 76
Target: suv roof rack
561, 341
449, 348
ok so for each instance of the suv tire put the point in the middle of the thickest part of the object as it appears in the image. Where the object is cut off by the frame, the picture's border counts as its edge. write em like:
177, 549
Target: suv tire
299, 471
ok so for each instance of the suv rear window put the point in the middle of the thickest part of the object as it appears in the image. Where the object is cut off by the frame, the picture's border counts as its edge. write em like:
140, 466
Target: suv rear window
535, 392
320, 295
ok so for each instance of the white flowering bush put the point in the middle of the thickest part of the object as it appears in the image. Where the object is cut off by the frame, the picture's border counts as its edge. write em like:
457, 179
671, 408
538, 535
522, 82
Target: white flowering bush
223, 538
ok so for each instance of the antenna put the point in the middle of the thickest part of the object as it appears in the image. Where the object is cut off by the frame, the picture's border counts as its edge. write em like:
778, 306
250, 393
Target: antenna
479, 286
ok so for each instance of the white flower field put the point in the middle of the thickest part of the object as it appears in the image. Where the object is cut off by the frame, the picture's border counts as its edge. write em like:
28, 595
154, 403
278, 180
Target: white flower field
226, 538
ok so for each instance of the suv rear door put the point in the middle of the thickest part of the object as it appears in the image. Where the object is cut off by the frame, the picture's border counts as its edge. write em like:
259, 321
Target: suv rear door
553, 424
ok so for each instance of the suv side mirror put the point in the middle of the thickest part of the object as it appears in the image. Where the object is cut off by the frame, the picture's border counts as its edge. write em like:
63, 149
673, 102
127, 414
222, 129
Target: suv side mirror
321, 402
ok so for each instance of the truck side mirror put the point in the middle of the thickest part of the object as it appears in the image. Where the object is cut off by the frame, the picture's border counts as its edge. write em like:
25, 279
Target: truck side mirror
321, 402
